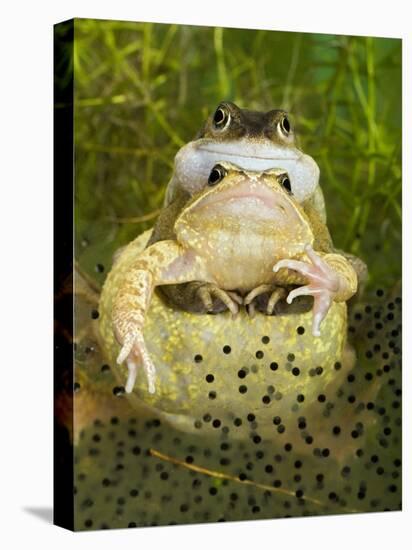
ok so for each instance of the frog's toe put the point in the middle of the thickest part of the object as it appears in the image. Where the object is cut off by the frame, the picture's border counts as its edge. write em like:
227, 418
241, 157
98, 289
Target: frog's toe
321, 305
235, 297
209, 292
131, 379
322, 300
264, 298
278, 294
261, 289
323, 284
205, 294
134, 352
127, 347
317, 272
251, 309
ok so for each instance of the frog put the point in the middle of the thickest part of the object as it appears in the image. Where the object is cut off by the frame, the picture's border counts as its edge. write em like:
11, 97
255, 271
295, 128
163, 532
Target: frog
245, 233
254, 140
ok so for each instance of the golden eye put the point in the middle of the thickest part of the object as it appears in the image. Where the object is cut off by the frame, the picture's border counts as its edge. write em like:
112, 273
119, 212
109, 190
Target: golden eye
284, 126
221, 118
216, 175
285, 183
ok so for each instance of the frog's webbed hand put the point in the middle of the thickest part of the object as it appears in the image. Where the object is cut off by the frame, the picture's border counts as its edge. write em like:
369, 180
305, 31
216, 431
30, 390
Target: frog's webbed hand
162, 263
329, 277
276, 293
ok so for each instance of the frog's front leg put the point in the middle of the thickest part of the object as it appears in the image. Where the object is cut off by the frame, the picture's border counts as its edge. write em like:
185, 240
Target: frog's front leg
329, 277
162, 263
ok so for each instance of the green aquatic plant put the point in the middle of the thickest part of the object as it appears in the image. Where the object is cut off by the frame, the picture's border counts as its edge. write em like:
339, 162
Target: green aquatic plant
143, 89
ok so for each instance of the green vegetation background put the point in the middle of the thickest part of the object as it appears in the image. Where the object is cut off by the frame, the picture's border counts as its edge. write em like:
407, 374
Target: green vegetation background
142, 90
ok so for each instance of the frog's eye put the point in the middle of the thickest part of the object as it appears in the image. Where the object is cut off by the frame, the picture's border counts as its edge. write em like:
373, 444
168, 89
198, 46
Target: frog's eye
216, 175
221, 118
284, 126
285, 183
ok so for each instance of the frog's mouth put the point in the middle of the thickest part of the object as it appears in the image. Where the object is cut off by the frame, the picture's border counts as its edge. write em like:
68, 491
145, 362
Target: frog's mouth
248, 201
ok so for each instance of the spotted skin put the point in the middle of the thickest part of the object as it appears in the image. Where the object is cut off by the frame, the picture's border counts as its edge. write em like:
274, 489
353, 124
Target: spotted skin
247, 231
331, 444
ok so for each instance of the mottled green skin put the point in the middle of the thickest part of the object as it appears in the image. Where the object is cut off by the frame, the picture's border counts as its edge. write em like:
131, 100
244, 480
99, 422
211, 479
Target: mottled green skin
176, 339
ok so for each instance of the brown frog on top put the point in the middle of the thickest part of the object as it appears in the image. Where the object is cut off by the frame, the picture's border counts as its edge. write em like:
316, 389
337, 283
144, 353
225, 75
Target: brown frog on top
244, 233
255, 141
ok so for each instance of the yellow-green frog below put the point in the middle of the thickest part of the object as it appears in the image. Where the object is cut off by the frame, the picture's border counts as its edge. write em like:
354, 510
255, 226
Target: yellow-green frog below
246, 234
255, 141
